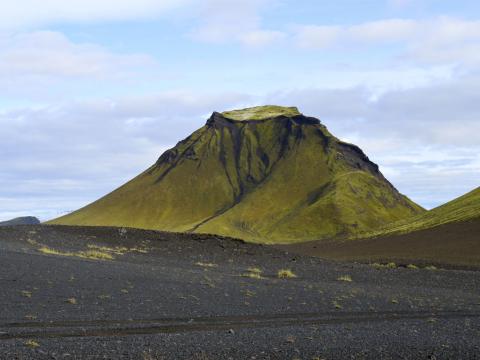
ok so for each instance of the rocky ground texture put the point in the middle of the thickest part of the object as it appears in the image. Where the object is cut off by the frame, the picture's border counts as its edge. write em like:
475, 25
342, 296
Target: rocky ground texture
109, 293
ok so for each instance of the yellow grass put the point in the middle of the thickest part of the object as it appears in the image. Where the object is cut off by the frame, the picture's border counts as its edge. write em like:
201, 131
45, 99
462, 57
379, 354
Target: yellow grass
207, 265
32, 343
89, 254
346, 278
286, 274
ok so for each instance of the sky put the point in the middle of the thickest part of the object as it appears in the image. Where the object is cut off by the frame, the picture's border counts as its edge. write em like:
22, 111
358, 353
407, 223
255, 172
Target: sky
92, 92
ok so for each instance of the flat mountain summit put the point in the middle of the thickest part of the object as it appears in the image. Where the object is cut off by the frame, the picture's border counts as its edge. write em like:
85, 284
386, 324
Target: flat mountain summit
265, 174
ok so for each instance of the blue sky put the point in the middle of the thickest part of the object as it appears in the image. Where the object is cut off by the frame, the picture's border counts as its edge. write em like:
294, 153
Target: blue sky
92, 92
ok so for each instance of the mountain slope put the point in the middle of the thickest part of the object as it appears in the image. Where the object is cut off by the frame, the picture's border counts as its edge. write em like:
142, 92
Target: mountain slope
445, 236
464, 208
265, 174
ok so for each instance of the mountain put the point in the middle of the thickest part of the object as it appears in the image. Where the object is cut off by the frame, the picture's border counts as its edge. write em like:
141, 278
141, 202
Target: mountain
27, 220
265, 174
445, 236
464, 208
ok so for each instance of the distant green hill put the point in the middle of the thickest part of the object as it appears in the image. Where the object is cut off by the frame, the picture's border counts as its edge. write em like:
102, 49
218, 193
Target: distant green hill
447, 236
266, 174
464, 208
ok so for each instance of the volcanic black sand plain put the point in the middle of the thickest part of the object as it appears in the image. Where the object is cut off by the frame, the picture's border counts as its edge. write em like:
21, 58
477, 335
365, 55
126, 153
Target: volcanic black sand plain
116, 293
452, 245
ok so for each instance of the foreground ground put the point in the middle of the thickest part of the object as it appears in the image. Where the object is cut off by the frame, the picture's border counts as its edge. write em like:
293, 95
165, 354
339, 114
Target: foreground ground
88, 293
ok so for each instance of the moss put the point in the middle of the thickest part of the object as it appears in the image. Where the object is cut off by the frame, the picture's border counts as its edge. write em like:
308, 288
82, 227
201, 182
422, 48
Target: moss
278, 181
390, 265
32, 344
464, 208
26, 293
206, 265
88, 254
252, 275
286, 274
261, 113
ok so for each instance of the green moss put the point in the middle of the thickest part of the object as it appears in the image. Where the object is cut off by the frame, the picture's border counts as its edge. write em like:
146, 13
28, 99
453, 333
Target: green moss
278, 181
464, 208
261, 113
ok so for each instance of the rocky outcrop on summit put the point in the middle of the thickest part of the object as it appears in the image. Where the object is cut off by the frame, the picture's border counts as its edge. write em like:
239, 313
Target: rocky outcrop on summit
266, 174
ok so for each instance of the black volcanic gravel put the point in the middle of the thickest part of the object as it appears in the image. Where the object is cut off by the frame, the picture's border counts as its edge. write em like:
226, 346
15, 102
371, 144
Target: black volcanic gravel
182, 296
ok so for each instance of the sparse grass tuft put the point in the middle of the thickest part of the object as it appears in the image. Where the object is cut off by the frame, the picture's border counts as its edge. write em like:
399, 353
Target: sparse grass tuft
412, 267
119, 250
253, 276
94, 254
390, 265
346, 278
254, 273
89, 254
431, 267
49, 251
206, 265
72, 301
26, 293
32, 343
255, 270
286, 274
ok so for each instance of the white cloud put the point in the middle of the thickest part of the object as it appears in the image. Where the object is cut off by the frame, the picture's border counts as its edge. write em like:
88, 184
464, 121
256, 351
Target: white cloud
425, 139
47, 53
222, 21
28, 13
260, 38
59, 158
47, 65
439, 40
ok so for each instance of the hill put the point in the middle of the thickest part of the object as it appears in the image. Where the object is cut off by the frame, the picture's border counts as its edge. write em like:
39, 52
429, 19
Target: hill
446, 236
27, 220
265, 174
464, 208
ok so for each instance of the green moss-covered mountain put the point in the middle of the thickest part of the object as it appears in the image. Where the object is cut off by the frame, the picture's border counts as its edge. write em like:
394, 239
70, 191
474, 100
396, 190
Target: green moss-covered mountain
464, 208
265, 174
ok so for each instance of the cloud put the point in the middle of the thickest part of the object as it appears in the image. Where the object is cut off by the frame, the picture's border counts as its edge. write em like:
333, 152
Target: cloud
31, 13
260, 38
425, 139
32, 62
59, 158
400, 3
238, 21
48, 53
439, 40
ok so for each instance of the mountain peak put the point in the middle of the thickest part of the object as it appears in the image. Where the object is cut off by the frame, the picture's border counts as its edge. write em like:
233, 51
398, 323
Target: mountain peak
267, 174
261, 113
